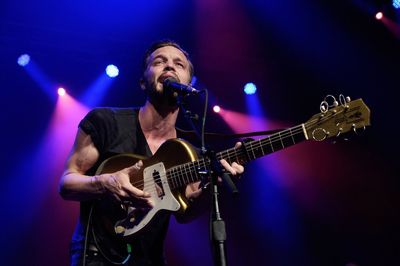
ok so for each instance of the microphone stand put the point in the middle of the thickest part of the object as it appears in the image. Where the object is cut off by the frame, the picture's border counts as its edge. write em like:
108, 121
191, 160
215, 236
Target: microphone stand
217, 224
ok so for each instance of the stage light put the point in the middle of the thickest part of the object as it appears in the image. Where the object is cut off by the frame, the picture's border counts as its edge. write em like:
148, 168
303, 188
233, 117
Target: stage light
112, 71
379, 15
250, 88
23, 60
396, 4
216, 108
61, 91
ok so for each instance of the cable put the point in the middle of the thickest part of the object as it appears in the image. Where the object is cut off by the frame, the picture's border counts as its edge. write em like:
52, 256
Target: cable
203, 120
128, 246
86, 235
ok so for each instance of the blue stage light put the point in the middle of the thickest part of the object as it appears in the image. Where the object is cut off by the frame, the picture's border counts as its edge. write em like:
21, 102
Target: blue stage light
396, 4
250, 88
112, 71
23, 60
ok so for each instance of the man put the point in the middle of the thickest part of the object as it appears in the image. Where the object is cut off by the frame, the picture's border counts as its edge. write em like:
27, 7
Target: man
109, 131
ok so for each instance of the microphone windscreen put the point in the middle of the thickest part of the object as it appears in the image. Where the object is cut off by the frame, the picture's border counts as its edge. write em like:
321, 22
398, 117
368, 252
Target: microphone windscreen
168, 81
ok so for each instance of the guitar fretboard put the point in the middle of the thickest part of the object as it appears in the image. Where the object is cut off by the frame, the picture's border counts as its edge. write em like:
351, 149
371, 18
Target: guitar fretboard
187, 173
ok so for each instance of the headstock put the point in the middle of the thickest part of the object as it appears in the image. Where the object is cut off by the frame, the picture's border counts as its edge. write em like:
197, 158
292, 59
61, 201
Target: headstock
337, 118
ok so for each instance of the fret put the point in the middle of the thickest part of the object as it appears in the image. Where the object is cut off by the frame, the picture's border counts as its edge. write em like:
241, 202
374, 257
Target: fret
287, 140
184, 174
256, 149
236, 155
276, 143
172, 178
252, 150
299, 135
280, 138
261, 147
185, 177
291, 135
193, 172
225, 155
230, 155
246, 148
187, 174
181, 177
270, 143
265, 146
176, 176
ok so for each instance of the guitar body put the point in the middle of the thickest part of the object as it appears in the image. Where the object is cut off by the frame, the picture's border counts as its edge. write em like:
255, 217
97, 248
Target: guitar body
125, 220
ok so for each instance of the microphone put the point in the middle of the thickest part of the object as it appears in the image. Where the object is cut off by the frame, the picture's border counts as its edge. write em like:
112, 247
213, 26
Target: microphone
182, 89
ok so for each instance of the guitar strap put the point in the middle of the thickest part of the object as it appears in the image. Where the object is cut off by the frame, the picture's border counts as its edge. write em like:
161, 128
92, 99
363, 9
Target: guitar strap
217, 136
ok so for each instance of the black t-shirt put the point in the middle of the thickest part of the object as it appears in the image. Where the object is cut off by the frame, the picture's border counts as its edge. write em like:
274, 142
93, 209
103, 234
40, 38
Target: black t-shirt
115, 131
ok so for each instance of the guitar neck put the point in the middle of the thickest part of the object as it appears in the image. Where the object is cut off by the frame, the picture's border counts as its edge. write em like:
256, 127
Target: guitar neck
187, 173
258, 148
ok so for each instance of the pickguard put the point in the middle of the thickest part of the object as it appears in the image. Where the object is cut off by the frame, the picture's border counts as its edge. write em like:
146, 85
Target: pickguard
156, 184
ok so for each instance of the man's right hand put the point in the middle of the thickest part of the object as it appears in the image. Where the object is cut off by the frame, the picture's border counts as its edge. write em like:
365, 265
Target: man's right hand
118, 186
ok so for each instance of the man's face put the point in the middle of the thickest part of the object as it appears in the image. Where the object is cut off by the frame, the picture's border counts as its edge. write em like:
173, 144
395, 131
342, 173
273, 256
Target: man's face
163, 63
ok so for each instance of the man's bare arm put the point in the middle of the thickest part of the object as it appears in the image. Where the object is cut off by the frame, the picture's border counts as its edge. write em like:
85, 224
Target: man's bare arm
75, 185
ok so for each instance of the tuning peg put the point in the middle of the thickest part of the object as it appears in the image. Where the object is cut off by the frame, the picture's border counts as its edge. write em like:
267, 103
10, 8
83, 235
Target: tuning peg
344, 100
339, 132
358, 131
323, 107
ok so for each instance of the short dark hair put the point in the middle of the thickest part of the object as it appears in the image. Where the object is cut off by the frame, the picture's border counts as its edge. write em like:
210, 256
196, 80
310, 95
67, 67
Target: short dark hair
163, 43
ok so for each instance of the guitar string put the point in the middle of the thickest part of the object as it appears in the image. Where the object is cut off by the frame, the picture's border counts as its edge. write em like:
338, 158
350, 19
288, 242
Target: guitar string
233, 151
180, 172
277, 137
187, 168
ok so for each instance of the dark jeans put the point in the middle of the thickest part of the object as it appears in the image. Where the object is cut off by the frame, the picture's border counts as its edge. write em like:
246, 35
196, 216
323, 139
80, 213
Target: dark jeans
94, 258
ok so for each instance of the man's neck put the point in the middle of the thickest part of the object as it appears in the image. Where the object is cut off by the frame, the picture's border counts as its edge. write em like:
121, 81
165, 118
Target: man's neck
159, 122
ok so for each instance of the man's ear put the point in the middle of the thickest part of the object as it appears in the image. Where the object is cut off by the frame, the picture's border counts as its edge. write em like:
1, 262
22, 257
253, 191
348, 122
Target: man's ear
142, 85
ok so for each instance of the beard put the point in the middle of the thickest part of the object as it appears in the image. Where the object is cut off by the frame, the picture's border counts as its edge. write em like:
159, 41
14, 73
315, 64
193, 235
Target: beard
161, 98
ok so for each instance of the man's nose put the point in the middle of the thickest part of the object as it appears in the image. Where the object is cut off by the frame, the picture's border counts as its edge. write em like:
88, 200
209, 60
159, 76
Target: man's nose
169, 66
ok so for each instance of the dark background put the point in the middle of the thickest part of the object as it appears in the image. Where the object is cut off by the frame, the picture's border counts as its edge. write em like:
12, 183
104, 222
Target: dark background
312, 204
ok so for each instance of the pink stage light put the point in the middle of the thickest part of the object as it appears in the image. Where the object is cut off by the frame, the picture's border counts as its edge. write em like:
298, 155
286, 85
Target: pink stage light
61, 91
379, 15
216, 108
